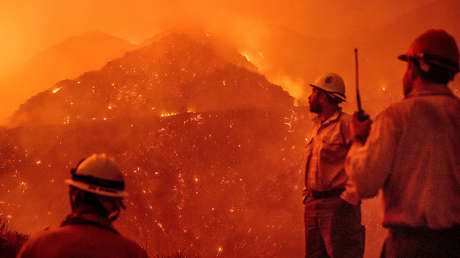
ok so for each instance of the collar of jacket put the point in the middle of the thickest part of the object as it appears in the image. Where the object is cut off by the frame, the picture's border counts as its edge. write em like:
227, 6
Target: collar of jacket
430, 91
331, 119
88, 219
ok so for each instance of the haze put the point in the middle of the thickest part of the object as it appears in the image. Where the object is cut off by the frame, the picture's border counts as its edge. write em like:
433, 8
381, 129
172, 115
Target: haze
27, 27
289, 41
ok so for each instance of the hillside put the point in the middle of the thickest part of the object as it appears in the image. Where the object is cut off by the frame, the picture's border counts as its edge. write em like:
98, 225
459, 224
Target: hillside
175, 74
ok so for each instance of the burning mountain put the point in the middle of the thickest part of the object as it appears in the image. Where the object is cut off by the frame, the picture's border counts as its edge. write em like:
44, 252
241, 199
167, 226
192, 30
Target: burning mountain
211, 150
174, 74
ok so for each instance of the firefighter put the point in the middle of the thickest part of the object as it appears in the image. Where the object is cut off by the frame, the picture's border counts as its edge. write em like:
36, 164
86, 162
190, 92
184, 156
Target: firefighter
412, 153
96, 190
332, 210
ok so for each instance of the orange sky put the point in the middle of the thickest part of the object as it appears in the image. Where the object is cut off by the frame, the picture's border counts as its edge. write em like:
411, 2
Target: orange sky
27, 27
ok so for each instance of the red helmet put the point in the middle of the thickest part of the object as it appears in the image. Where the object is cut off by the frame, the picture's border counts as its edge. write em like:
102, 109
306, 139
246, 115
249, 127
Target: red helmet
436, 48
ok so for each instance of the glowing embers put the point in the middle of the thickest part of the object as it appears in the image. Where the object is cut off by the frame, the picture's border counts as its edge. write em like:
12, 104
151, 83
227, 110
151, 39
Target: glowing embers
246, 56
168, 114
220, 249
23, 186
56, 90
66, 120
161, 227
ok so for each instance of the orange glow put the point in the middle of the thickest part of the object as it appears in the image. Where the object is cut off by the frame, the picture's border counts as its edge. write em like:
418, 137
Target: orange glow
280, 39
167, 114
246, 55
288, 43
56, 90
295, 88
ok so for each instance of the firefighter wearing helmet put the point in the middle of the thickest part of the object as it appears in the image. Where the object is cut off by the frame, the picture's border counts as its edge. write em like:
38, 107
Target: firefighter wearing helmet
332, 210
96, 190
412, 153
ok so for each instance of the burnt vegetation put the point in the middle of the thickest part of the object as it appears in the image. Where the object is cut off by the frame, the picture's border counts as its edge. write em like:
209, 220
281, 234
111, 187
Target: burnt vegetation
10, 241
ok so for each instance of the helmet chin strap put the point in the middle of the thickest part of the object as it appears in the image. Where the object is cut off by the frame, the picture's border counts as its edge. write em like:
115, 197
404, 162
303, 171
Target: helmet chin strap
114, 215
424, 66
115, 212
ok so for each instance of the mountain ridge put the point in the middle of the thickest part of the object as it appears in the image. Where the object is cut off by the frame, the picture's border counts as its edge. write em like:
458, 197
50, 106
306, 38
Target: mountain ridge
175, 74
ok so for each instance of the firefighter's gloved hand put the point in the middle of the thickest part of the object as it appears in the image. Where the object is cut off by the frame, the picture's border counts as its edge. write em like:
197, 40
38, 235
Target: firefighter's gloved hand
360, 127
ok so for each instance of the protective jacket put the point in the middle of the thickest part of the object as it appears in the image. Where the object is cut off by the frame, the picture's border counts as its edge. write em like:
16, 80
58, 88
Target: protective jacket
79, 236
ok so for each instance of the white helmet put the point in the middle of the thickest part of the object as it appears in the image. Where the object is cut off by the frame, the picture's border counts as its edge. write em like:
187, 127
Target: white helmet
100, 175
333, 84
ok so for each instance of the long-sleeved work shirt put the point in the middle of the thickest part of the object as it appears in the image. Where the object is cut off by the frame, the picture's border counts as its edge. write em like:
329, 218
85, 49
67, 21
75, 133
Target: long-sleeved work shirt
413, 154
327, 149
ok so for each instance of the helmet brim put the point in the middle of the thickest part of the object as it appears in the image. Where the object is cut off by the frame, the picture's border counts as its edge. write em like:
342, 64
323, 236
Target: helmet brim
432, 60
334, 94
95, 189
404, 57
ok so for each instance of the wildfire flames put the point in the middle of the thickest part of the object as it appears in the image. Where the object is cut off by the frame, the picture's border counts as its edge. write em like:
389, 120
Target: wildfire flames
246, 55
167, 114
209, 127
56, 90
192, 172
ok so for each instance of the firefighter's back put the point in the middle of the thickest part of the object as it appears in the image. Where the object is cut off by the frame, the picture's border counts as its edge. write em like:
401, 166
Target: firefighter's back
81, 240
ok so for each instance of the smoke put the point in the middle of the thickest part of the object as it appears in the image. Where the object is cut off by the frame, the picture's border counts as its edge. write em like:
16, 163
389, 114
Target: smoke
290, 42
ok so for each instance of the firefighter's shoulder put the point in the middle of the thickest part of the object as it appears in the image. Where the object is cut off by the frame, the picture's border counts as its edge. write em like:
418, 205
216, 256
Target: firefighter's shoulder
82, 241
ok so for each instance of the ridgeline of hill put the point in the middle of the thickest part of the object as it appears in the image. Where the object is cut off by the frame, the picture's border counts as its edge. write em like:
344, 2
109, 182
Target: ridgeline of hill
178, 73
